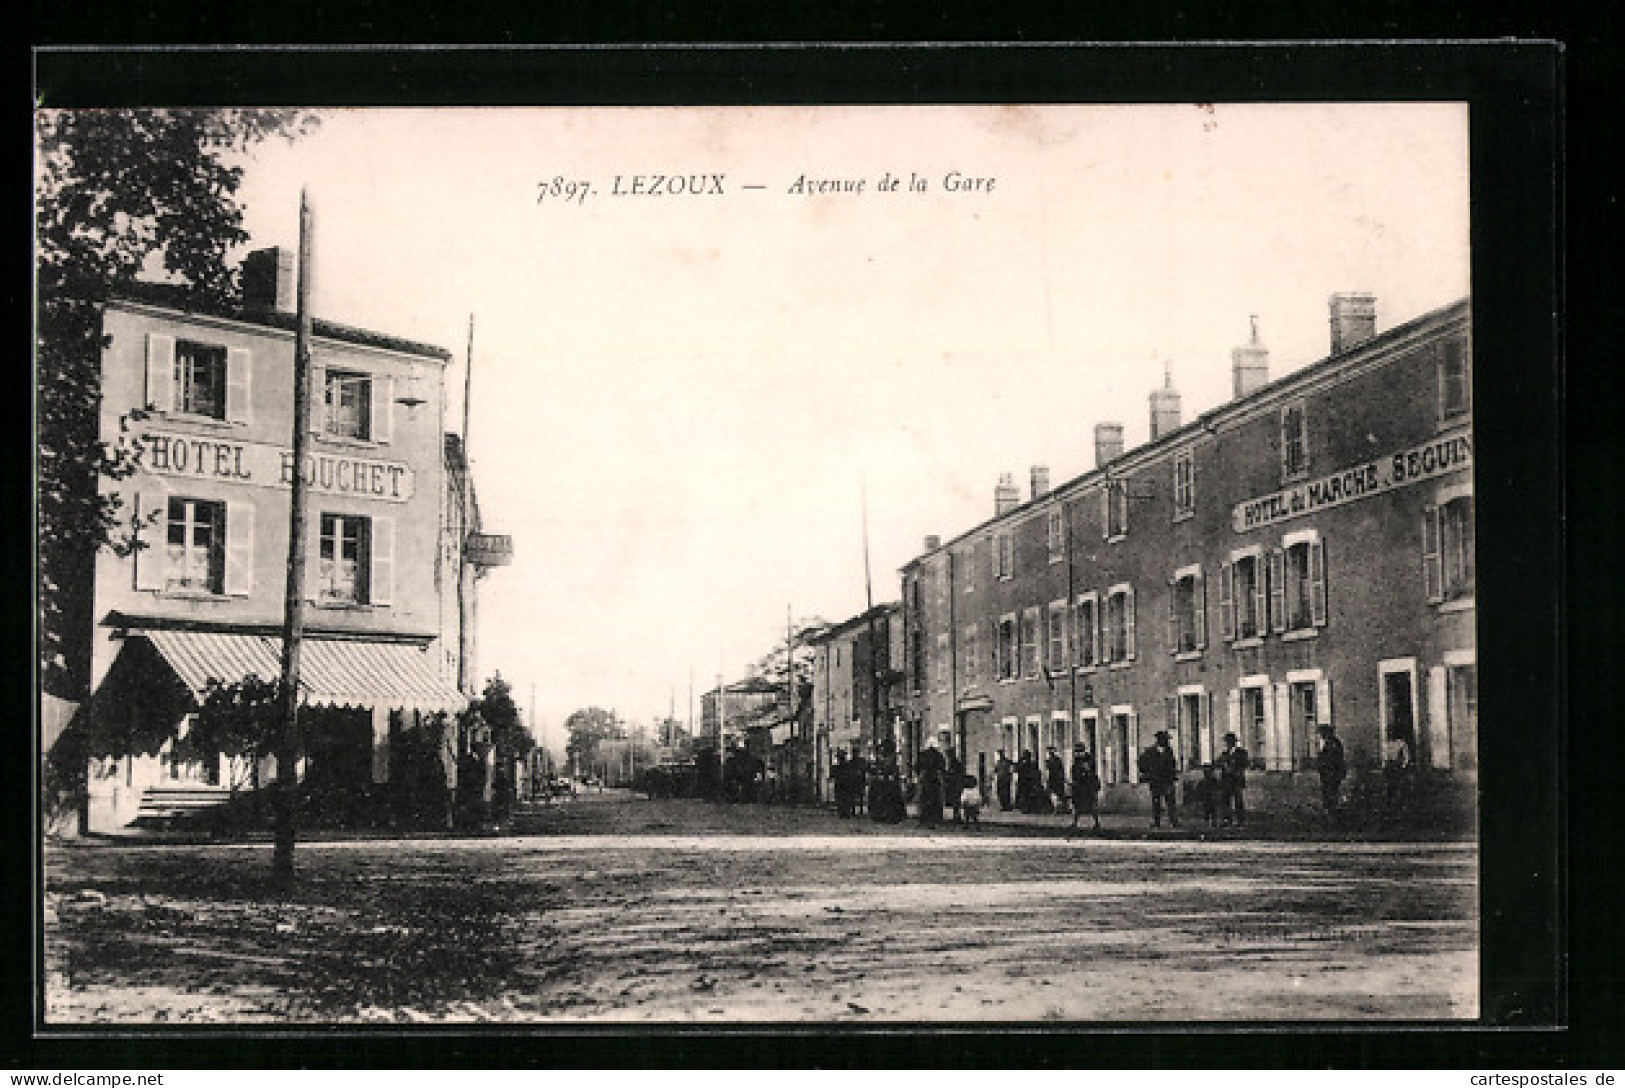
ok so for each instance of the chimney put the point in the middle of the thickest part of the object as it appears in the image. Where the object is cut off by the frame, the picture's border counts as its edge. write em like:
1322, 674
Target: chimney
1354, 319
1108, 442
932, 543
1040, 479
1165, 405
268, 280
1005, 496
1249, 365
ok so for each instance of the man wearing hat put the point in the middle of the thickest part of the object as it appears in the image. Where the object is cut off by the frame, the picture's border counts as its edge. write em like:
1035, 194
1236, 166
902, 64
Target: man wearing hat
1232, 764
1160, 769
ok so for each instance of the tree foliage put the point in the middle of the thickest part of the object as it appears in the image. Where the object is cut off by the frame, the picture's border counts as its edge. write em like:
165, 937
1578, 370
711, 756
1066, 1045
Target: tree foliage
587, 727
118, 193
500, 714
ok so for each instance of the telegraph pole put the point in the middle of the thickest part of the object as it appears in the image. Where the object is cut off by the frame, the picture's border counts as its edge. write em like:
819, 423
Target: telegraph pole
289, 743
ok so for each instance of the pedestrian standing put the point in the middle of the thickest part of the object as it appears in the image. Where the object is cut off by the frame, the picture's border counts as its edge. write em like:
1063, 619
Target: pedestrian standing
1396, 768
1232, 766
1055, 774
1207, 794
1160, 769
1027, 782
1085, 786
953, 785
931, 769
1002, 772
858, 769
841, 779
970, 798
1333, 767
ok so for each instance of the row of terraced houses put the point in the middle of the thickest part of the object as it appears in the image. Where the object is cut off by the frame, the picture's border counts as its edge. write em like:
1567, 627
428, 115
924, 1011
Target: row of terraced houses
1300, 555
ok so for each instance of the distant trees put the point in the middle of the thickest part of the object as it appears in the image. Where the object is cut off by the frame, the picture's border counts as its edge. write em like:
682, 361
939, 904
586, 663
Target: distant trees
588, 727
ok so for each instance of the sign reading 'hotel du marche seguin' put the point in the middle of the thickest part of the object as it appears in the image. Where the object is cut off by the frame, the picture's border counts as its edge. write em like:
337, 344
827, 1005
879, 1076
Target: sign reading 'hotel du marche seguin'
1424, 462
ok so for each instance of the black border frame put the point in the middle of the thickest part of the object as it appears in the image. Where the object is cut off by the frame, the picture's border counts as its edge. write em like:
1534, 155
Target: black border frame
1514, 91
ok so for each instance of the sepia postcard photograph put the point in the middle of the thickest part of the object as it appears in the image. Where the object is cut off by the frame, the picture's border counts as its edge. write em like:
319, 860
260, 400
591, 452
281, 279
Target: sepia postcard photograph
801, 564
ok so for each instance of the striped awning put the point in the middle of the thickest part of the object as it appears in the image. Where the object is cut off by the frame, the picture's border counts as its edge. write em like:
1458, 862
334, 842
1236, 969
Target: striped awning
332, 672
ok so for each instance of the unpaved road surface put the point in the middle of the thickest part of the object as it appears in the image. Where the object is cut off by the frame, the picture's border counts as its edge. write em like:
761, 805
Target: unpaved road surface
627, 910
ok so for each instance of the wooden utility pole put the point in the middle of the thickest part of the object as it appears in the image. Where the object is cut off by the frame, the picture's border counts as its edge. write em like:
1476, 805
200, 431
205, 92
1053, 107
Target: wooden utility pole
289, 742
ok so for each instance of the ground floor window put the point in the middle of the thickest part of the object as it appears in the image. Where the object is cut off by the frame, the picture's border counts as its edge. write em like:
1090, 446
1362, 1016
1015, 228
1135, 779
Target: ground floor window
1303, 717
1398, 709
1462, 708
1253, 727
1121, 744
1194, 730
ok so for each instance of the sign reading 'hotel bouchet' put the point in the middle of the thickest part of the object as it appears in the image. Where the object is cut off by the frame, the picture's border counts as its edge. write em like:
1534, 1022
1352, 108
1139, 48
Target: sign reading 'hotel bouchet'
257, 463
1437, 458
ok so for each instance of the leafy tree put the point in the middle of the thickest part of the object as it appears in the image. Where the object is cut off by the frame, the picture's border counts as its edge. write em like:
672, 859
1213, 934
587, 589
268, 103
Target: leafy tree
500, 715
117, 193
772, 666
587, 727
239, 719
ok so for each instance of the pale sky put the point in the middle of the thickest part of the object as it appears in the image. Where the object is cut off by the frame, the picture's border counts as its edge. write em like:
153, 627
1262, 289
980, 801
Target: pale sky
679, 399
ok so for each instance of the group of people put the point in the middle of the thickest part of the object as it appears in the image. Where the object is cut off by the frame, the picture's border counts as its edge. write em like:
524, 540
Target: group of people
1026, 786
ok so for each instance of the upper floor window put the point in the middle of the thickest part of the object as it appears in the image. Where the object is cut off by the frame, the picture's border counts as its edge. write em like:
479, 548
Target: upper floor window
1187, 611
972, 651
917, 658
1115, 496
1294, 441
1243, 586
200, 379
195, 546
1447, 549
968, 567
1055, 643
1455, 380
1004, 559
343, 556
1299, 601
1056, 535
1184, 483
1119, 633
1029, 642
348, 397
1086, 632
942, 662
355, 560
1006, 648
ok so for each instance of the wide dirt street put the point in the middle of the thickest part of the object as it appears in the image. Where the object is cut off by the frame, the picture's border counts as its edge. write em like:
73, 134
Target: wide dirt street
621, 909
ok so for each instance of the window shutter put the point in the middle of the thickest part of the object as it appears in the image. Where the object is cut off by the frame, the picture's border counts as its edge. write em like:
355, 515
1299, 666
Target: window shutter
1323, 701
151, 562
318, 398
383, 407
1317, 582
1438, 719
1173, 616
381, 577
1277, 591
239, 549
1128, 620
1279, 724
1170, 714
1432, 568
1199, 596
1133, 745
1204, 728
239, 373
1227, 603
161, 372
1233, 709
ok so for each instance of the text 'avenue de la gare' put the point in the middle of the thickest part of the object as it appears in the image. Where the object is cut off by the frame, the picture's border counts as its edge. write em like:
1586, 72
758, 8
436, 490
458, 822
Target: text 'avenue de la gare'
563, 189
